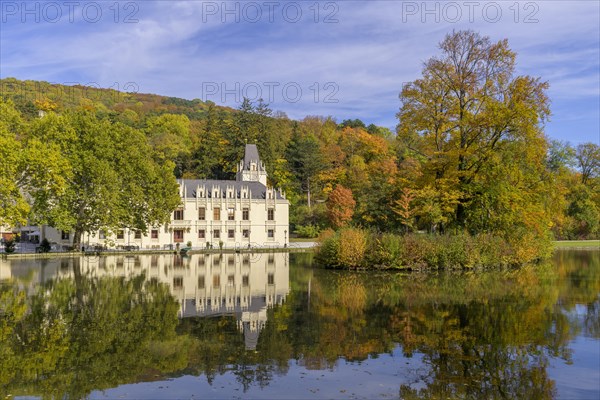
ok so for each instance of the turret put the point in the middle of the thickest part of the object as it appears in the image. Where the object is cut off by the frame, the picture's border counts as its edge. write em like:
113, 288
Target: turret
251, 168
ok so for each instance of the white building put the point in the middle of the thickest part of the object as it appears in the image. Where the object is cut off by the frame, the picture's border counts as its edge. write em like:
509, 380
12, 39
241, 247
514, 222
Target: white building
240, 213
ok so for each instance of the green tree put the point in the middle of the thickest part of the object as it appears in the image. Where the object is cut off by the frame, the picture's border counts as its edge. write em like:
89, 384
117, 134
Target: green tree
305, 160
30, 167
169, 134
113, 178
588, 160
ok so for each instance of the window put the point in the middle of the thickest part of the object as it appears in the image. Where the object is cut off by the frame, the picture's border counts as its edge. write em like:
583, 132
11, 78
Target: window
178, 235
217, 214
120, 234
201, 282
246, 233
231, 214
178, 262
270, 214
245, 214
201, 214
178, 282
271, 279
178, 215
270, 233
231, 234
245, 280
231, 260
231, 280
217, 234
102, 234
137, 235
64, 235
216, 281
154, 233
201, 234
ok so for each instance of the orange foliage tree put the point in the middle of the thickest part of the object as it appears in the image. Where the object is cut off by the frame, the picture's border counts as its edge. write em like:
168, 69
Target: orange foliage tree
340, 206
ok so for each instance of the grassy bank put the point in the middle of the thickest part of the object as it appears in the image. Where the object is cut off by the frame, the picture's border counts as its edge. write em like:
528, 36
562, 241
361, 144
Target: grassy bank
357, 248
578, 244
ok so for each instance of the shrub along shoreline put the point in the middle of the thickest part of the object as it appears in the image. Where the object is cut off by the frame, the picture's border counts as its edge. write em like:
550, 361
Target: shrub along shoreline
358, 248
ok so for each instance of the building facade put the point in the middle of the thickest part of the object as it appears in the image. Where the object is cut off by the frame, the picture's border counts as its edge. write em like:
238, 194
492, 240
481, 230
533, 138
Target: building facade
239, 213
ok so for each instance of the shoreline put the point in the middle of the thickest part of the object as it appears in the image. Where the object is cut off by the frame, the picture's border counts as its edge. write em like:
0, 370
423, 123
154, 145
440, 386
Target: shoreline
577, 244
72, 254
559, 245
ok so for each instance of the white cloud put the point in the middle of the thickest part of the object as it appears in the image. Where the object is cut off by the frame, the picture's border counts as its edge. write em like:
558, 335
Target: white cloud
369, 53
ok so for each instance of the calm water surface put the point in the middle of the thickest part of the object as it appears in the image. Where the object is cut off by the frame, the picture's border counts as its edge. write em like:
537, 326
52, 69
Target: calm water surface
273, 326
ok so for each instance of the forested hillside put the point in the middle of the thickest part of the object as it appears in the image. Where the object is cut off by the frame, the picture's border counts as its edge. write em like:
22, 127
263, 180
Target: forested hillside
469, 154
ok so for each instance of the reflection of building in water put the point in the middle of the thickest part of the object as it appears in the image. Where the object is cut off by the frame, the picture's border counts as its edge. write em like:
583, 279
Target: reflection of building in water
5, 272
205, 285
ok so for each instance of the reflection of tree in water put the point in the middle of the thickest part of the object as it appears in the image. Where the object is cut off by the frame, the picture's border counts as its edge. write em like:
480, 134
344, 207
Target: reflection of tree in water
84, 334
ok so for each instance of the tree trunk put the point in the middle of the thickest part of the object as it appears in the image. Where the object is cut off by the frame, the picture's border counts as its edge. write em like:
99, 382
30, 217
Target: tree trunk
77, 238
308, 193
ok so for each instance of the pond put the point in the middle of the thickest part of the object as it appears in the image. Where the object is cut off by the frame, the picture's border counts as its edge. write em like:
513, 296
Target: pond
275, 326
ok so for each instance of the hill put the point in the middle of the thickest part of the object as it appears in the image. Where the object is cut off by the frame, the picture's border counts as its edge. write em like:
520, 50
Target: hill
30, 96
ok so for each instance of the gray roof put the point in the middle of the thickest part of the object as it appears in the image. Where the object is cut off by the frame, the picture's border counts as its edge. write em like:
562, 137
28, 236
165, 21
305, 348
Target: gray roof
256, 304
251, 154
257, 189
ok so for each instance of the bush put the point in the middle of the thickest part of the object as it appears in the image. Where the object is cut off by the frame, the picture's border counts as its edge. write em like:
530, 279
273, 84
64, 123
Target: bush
387, 251
45, 246
347, 248
352, 247
453, 251
419, 251
307, 231
328, 248
9, 246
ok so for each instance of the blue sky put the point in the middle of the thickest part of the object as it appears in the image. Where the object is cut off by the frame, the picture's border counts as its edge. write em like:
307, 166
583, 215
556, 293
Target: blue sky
347, 59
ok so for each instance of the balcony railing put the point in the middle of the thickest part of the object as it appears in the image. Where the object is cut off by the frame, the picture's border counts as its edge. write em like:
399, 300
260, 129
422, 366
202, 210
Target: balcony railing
180, 223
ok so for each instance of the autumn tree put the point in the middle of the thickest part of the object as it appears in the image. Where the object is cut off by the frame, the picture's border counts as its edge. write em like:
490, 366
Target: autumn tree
473, 124
340, 206
403, 208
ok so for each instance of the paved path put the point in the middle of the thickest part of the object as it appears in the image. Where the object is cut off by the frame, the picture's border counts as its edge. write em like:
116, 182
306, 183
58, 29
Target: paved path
302, 245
